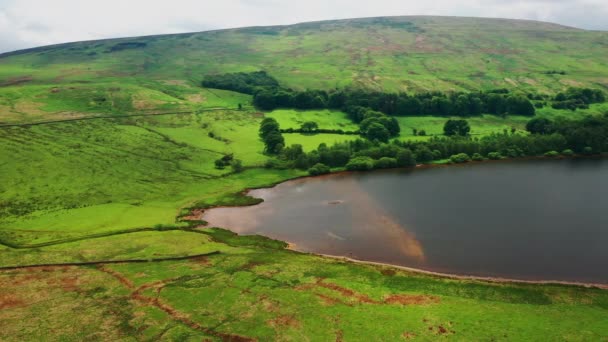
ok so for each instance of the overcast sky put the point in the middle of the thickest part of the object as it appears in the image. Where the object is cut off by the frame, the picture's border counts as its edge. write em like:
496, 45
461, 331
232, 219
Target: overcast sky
30, 23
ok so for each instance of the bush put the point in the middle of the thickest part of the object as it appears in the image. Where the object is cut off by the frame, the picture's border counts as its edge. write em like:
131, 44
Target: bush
460, 158
568, 152
552, 154
360, 164
405, 158
494, 156
385, 163
319, 169
588, 150
477, 157
237, 166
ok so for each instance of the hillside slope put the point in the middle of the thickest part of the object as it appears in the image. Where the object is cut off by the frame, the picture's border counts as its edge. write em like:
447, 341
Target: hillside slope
395, 53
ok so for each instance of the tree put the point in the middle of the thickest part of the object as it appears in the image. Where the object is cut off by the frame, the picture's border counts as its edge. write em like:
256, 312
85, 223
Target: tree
460, 158
265, 100
456, 127
405, 158
237, 166
360, 164
268, 126
292, 152
319, 169
539, 126
309, 127
274, 142
377, 131
385, 163
424, 154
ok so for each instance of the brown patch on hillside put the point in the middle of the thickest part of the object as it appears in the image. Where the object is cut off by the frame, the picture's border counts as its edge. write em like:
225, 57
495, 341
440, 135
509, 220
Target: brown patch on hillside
339, 336
140, 102
388, 272
258, 115
16, 81
405, 299
408, 335
155, 301
176, 82
203, 260
327, 300
9, 301
195, 215
284, 321
196, 98
359, 297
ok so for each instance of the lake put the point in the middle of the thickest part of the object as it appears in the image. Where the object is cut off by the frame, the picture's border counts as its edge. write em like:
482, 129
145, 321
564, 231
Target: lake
529, 220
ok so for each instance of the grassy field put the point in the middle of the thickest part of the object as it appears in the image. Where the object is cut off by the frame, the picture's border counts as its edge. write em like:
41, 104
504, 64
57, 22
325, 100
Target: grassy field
96, 201
108, 192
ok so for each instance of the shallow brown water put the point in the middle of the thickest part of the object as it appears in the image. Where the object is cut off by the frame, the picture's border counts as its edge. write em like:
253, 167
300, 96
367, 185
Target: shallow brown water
533, 220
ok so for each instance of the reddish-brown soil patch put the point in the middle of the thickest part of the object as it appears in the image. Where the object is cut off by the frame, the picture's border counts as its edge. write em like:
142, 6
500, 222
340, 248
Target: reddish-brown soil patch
8, 301
203, 260
258, 115
388, 272
339, 336
195, 215
362, 298
329, 300
176, 315
16, 81
405, 299
408, 335
284, 321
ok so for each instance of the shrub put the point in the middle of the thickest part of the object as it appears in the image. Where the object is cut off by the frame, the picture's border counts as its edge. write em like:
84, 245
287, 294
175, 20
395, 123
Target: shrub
237, 166
568, 152
588, 150
360, 164
405, 158
494, 156
477, 157
319, 169
552, 154
460, 158
385, 163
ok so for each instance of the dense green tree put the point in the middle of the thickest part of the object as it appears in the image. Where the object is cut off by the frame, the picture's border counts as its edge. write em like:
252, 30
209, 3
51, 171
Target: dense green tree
377, 131
460, 158
424, 154
539, 126
456, 127
319, 169
309, 126
405, 158
360, 164
385, 163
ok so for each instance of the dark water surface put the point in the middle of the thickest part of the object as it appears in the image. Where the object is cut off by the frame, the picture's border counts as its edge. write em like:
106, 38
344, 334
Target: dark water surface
535, 220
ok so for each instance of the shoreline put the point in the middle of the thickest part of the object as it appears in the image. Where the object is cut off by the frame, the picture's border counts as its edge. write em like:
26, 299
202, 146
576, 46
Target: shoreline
488, 279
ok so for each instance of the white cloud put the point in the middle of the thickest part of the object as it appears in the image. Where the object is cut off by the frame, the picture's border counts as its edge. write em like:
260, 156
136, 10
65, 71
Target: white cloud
29, 23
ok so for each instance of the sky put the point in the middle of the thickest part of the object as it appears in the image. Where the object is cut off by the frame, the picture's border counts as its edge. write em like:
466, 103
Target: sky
31, 23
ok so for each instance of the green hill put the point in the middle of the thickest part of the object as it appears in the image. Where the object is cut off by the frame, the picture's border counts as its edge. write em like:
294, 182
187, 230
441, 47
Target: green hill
400, 53
394, 53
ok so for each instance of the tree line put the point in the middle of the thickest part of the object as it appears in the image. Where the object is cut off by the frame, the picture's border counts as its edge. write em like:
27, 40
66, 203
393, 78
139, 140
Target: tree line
566, 137
269, 95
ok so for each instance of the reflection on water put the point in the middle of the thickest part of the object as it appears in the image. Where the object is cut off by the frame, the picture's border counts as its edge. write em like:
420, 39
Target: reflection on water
528, 220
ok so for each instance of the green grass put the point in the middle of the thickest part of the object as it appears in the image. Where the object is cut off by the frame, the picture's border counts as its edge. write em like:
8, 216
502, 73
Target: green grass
326, 119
